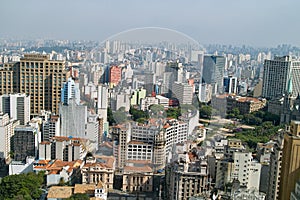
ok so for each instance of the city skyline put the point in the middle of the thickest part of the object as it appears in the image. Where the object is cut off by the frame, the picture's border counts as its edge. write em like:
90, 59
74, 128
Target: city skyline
252, 23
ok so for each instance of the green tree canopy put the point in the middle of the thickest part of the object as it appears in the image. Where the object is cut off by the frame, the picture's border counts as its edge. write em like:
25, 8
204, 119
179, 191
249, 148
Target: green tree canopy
137, 114
79, 197
174, 113
205, 111
22, 186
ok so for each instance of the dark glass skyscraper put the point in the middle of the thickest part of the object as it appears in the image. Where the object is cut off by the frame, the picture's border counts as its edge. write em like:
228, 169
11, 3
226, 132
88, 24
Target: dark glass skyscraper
213, 72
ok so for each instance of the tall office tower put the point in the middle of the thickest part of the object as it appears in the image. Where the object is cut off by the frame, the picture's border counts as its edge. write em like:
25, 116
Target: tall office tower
183, 92
73, 119
159, 150
102, 102
7, 126
7, 78
290, 170
17, 106
177, 70
149, 82
42, 79
25, 142
205, 92
275, 168
70, 90
120, 137
173, 73
230, 85
51, 128
115, 75
213, 72
281, 75
166, 87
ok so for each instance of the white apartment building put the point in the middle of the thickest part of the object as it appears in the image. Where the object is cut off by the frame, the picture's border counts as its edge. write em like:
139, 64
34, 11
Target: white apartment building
17, 106
7, 126
281, 75
241, 167
183, 92
51, 128
175, 132
137, 150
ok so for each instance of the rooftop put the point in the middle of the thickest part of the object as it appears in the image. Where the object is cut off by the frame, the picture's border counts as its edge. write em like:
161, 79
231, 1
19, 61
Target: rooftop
60, 192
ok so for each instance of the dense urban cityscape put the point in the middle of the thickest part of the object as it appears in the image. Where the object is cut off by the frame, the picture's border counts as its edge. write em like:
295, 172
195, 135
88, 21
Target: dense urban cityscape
120, 120
149, 100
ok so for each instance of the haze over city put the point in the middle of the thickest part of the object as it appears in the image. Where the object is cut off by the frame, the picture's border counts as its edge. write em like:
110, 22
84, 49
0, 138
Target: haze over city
257, 23
152, 100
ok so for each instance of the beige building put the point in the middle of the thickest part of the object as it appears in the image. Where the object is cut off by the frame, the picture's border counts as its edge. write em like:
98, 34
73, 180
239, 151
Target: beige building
99, 169
6, 79
225, 103
275, 168
137, 176
120, 138
290, 171
37, 76
186, 177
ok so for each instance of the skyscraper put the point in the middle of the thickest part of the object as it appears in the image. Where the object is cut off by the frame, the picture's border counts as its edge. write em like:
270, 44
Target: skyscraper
25, 142
149, 82
230, 85
115, 75
17, 106
281, 75
183, 92
73, 119
36, 76
70, 90
290, 169
213, 72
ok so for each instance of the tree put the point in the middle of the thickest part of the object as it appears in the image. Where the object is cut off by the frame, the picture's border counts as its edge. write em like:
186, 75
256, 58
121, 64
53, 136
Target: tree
79, 197
157, 111
205, 111
174, 113
22, 186
110, 117
137, 114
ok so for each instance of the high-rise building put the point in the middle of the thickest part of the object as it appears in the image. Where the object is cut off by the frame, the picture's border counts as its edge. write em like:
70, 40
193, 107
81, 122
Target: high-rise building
42, 79
275, 168
137, 96
7, 78
36, 76
25, 142
51, 128
175, 132
120, 137
281, 75
102, 101
73, 119
70, 90
115, 75
213, 72
290, 170
149, 82
17, 106
230, 85
7, 126
183, 92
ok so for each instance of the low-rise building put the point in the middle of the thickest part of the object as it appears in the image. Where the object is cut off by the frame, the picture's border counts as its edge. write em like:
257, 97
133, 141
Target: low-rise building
99, 169
137, 176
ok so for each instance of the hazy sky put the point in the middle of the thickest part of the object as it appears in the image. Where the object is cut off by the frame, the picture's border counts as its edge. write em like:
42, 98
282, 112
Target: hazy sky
250, 22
